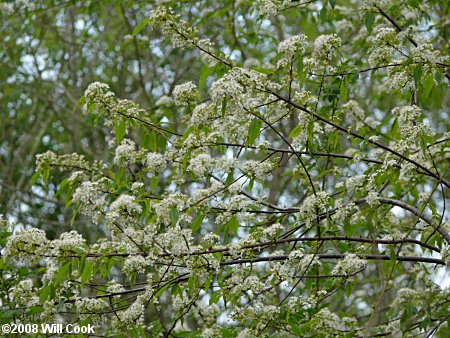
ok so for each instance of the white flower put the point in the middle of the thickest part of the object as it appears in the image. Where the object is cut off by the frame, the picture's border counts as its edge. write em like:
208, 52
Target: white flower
258, 169
304, 98
326, 46
69, 241
89, 198
134, 314
312, 204
114, 287
135, 263
271, 7
290, 47
155, 162
226, 86
27, 244
372, 5
137, 186
125, 203
344, 25
201, 164
352, 111
267, 7
125, 153
185, 93
88, 306
355, 182
407, 114
400, 79
427, 54
424, 197
23, 293
252, 62
373, 198
96, 92
164, 101
349, 265
210, 238
380, 55
325, 323
201, 114
246, 333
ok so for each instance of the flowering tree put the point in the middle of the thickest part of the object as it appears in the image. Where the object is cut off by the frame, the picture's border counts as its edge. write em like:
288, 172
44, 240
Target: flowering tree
296, 187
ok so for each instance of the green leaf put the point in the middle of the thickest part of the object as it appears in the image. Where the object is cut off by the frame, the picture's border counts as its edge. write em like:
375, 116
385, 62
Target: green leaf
418, 71
34, 178
62, 186
173, 214
206, 72
197, 222
428, 83
343, 90
300, 70
45, 293
154, 183
62, 273
296, 131
233, 225
324, 13
80, 102
152, 142
369, 21
208, 281
120, 129
297, 331
423, 146
187, 133
35, 309
45, 174
74, 215
392, 254
191, 282
141, 26
215, 297
332, 3
87, 271
254, 131
161, 290
230, 178
394, 129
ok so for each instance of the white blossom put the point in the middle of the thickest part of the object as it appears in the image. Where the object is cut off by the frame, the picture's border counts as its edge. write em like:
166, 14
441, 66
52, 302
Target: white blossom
87, 307
373, 198
96, 92
201, 164
125, 203
326, 46
135, 263
290, 47
155, 162
185, 93
24, 293
312, 204
126, 153
349, 265
68, 241
27, 244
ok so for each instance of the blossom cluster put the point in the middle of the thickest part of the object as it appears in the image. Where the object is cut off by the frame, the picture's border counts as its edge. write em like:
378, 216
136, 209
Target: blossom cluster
290, 47
349, 265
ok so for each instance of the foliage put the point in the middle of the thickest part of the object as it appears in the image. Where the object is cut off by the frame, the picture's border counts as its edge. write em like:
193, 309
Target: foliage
279, 168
